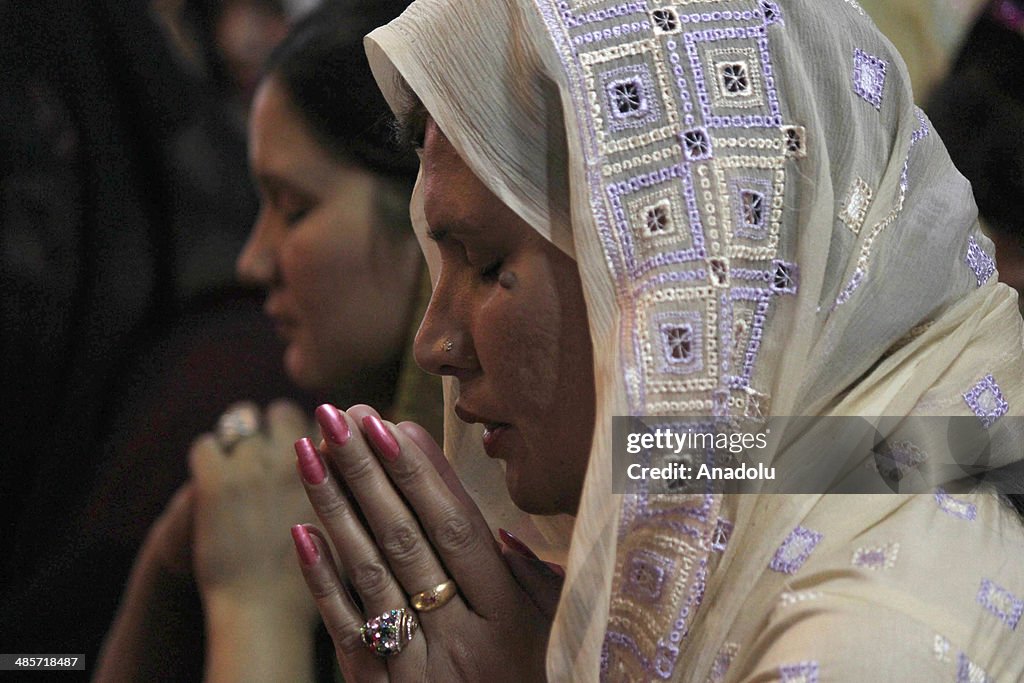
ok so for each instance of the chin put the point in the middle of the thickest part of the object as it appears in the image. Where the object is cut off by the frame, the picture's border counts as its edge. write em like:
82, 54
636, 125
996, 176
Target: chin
535, 500
301, 371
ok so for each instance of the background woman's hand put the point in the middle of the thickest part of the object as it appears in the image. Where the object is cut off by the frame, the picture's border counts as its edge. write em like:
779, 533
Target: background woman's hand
401, 523
259, 616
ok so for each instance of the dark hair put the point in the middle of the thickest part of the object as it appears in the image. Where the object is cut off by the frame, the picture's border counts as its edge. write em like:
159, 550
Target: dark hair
322, 66
979, 112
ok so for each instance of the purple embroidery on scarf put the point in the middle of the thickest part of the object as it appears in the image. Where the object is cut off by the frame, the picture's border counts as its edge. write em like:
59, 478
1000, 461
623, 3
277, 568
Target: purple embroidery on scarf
1001, 602
681, 337
770, 11
674, 276
923, 129
645, 575
616, 12
869, 77
986, 401
969, 672
956, 507
723, 660
760, 317
795, 550
667, 653
803, 672
696, 144
722, 534
852, 286
757, 33
880, 557
614, 32
785, 277
981, 263
895, 460
629, 95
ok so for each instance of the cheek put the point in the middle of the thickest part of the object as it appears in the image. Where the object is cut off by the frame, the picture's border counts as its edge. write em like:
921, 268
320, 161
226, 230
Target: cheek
523, 331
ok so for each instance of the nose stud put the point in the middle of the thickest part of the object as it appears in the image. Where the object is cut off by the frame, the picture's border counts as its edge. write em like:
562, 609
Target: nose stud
447, 345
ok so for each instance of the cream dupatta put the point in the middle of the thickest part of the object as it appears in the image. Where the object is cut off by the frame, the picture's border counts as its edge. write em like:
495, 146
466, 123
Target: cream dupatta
750, 176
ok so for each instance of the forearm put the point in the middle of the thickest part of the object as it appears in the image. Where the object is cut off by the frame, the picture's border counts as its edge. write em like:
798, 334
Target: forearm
157, 628
256, 642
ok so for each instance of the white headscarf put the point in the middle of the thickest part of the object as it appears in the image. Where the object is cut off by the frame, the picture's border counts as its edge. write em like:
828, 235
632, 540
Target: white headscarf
752, 174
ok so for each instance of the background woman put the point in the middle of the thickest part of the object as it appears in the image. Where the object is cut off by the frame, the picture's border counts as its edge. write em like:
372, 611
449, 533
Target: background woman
743, 204
343, 276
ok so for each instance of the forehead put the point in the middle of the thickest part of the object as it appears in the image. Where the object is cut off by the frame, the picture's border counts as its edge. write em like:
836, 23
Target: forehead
453, 196
276, 128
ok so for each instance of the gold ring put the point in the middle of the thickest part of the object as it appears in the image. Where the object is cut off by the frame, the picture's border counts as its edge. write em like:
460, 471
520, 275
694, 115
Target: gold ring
435, 597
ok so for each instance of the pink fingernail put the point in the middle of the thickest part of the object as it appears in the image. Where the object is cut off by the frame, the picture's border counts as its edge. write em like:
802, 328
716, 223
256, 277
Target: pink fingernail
304, 545
381, 438
310, 465
332, 423
556, 569
516, 545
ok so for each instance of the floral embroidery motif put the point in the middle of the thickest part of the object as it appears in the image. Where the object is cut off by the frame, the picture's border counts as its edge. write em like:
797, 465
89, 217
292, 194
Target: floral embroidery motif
666, 20
658, 219
696, 144
795, 550
627, 96
770, 11
986, 401
737, 78
855, 207
869, 77
1001, 602
678, 343
956, 507
983, 265
753, 208
646, 574
784, 277
804, 672
681, 340
721, 535
796, 146
718, 269
630, 97
878, 557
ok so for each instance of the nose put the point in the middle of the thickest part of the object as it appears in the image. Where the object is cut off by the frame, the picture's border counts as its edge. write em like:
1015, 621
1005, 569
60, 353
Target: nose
257, 265
444, 342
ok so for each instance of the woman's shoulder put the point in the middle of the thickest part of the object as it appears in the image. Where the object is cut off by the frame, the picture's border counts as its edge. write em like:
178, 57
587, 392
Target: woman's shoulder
932, 590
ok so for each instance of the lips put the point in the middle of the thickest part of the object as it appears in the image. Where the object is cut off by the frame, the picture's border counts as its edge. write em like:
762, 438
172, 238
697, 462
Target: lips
492, 436
493, 430
284, 324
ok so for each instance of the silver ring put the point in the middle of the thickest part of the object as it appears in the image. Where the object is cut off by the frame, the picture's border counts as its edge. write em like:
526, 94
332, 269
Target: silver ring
387, 634
237, 424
